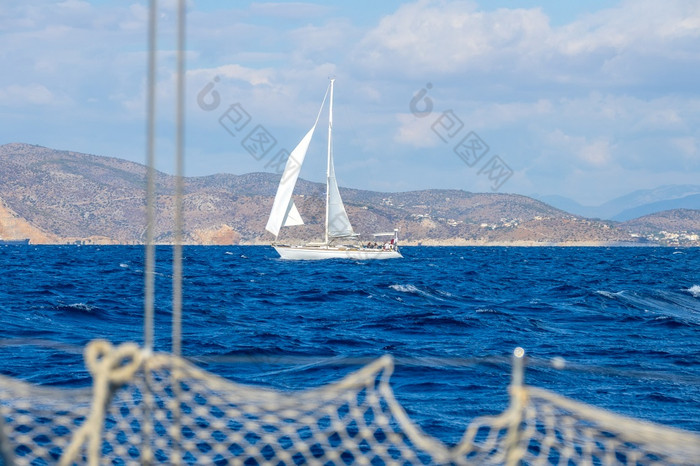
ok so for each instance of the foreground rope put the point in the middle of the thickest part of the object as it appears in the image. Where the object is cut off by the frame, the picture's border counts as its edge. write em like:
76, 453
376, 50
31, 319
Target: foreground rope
110, 368
129, 418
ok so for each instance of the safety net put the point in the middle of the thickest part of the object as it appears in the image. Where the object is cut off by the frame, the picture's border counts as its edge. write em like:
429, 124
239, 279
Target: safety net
148, 408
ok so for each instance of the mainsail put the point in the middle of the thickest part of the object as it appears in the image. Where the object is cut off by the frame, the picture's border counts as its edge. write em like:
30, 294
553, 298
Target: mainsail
284, 212
338, 221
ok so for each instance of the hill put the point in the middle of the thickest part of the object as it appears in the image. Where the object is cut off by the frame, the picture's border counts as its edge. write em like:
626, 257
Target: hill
53, 196
677, 227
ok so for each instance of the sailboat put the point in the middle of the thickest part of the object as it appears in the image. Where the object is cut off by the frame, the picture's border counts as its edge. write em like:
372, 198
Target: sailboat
337, 225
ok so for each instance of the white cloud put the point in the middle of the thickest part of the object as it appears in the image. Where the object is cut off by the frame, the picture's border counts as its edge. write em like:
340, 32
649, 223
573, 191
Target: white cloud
254, 77
415, 132
496, 115
596, 153
33, 94
518, 47
137, 19
296, 10
687, 146
661, 118
75, 5
449, 36
634, 24
578, 151
324, 42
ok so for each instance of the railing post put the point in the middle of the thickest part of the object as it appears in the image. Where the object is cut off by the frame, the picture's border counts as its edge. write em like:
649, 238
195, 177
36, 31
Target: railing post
517, 404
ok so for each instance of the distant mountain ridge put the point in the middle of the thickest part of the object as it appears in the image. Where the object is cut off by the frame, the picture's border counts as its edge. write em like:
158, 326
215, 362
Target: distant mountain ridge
633, 205
53, 196
691, 201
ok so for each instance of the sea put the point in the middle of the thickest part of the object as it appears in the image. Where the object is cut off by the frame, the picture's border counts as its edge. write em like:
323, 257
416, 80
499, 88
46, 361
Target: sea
623, 322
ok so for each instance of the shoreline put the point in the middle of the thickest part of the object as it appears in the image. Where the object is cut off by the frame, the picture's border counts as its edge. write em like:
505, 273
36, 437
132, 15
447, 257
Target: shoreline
518, 244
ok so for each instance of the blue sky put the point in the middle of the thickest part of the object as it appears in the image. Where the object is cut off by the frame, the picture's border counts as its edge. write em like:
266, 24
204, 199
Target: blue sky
589, 100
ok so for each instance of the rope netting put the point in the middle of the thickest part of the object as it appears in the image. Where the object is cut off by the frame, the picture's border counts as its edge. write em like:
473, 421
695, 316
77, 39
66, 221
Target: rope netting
157, 408
557, 430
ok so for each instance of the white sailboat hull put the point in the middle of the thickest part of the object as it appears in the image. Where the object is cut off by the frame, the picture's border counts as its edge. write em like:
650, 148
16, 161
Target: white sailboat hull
330, 252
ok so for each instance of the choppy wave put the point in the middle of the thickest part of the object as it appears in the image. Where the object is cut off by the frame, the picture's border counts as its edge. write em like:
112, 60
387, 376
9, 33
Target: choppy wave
83, 308
609, 294
406, 289
666, 304
694, 290
414, 290
434, 303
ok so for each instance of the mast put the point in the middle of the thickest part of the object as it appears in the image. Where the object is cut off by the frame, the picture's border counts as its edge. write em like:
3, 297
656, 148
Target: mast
330, 152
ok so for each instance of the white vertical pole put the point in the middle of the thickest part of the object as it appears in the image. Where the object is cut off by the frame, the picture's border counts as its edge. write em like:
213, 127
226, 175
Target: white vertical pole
176, 454
517, 405
149, 284
330, 154
179, 181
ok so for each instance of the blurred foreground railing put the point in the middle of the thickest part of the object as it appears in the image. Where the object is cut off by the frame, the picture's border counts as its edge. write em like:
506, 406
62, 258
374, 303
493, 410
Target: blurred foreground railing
157, 408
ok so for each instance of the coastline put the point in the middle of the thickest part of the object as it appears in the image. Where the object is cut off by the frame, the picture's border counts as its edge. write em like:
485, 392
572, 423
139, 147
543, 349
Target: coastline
428, 243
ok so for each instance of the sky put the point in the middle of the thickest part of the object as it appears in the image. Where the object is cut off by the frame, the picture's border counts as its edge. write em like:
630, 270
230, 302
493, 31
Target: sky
587, 100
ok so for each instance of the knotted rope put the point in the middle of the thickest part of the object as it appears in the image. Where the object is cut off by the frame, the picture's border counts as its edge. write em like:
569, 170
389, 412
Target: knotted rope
110, 368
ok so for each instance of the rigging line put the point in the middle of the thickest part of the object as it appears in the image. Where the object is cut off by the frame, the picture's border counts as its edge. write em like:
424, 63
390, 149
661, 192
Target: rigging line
149, 277
176, 453
67, 348
316, 361
323, 102
436, 362
179, 182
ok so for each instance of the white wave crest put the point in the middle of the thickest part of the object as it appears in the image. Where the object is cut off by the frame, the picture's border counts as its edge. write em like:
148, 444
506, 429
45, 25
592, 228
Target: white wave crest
609, 294
84, 307
694, 290
406, 289
412, 289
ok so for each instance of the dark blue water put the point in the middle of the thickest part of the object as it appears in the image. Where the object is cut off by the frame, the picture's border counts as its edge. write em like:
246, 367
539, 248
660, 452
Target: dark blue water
631, 316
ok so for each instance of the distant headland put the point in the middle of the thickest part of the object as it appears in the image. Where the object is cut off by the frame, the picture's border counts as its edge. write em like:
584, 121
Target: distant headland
61, 197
